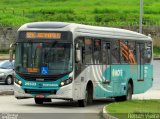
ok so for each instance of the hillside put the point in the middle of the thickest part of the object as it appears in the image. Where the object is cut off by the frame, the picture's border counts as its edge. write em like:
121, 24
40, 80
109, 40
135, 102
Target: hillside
94, 12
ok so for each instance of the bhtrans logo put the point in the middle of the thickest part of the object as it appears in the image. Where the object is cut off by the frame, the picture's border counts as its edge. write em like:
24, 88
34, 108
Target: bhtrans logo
117, 73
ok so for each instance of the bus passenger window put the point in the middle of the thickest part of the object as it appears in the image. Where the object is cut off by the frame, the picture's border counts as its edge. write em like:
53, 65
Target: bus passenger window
115, 52
132, 52
97, 52
88, 51
124, 54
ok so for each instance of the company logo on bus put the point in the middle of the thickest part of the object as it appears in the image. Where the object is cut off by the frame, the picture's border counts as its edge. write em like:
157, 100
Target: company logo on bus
117, 72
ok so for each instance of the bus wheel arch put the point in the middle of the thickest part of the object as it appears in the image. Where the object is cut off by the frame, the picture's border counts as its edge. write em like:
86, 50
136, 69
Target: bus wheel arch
88, 98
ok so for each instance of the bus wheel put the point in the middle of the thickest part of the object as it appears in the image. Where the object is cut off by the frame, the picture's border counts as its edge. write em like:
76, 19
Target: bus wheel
88, 97
128, 96
120, 98
129, 92
39, 100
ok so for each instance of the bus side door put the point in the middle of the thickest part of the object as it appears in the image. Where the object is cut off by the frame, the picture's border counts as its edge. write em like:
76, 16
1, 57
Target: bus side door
140, 60
106, 58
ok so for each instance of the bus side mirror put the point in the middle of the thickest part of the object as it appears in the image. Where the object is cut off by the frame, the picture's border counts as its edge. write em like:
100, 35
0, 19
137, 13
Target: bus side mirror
11, 52
78, 55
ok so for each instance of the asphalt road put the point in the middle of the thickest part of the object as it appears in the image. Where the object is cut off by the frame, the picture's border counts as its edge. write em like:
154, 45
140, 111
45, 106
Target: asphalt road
4, 87
9, 104
59, 109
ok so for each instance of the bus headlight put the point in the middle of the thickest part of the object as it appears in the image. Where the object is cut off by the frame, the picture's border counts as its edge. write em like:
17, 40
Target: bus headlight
18, 82
62, 83
66, 82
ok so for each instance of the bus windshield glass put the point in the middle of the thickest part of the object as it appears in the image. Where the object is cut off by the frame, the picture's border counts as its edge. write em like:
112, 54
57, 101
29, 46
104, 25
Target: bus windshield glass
43, 58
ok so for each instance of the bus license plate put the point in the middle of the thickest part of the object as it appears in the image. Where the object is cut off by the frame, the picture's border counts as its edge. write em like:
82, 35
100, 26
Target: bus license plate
40, 96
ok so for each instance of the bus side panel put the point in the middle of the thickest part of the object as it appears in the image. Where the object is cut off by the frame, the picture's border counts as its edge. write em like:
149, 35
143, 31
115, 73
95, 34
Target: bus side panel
121, 74
118, 78
80, 83
141, 86
101, 75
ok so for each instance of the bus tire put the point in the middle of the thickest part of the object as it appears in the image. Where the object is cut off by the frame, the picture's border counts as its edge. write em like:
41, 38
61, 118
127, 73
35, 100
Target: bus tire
128, 96
120, 98
88, 97
83, 103
39, 100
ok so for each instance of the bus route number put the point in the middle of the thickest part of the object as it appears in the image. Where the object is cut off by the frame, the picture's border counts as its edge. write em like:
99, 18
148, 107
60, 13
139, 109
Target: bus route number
30, 84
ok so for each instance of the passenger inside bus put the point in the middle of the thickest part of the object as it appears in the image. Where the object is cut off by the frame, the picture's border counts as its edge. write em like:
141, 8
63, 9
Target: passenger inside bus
88, 51
97, 52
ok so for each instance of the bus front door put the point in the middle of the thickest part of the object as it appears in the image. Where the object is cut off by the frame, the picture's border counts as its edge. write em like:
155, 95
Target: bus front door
106, 58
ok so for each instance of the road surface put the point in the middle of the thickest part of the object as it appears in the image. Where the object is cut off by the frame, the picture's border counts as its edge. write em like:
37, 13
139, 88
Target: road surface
59, 109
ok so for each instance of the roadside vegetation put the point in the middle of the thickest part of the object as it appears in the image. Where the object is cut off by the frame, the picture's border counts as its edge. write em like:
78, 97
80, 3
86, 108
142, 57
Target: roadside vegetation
4, 51
142, 108
97, 12
156, 50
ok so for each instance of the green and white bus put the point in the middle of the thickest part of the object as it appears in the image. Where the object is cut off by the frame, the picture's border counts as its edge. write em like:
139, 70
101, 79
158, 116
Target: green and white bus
58, 60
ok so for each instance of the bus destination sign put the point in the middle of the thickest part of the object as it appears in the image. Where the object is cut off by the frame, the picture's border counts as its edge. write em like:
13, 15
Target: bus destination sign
43, 35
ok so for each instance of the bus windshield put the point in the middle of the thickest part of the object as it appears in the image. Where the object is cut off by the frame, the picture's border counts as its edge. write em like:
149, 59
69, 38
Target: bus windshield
55, 58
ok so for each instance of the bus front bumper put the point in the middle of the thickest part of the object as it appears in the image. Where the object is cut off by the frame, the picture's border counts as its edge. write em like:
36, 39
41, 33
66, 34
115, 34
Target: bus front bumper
64, 92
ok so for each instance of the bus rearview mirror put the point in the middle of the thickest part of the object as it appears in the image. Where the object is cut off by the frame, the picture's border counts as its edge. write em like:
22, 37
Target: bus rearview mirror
78, 55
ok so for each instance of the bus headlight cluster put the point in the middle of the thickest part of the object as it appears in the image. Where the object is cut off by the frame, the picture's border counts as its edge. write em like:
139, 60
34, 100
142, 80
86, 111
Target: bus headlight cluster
18, 82
66, 82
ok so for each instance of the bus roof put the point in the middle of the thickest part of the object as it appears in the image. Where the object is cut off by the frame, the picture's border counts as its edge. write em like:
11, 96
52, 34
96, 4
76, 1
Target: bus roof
84, 30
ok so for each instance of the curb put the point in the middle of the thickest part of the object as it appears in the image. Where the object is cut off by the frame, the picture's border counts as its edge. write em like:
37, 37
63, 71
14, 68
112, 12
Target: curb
106, 115
10, 92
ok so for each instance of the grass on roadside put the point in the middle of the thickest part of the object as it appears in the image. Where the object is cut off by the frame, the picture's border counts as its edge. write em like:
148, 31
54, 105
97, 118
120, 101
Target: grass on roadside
93, 12
156, 50
135, 107
5, 51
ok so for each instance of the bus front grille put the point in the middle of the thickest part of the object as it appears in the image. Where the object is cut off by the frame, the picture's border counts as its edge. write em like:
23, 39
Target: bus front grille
34, 77
33, 91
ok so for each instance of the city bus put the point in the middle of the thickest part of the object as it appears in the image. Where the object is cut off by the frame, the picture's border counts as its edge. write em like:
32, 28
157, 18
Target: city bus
76, 62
